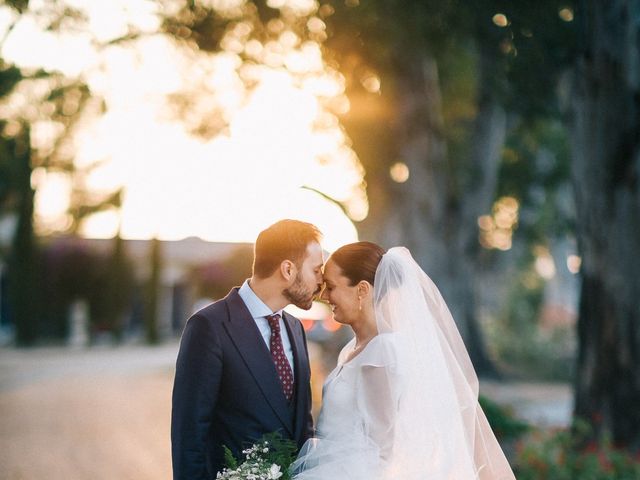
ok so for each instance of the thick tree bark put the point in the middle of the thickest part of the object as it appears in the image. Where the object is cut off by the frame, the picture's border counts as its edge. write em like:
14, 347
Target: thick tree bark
436, 210
606, 176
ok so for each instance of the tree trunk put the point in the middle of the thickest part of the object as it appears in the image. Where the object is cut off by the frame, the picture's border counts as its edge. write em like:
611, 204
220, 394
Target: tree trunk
605, 174
22, 273
437, 208
152, 292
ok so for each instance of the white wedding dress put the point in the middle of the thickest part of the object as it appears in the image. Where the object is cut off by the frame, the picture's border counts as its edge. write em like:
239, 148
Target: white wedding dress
354, 430
406, 407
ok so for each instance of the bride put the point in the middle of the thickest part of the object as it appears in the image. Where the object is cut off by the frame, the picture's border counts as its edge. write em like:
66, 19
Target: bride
402, 403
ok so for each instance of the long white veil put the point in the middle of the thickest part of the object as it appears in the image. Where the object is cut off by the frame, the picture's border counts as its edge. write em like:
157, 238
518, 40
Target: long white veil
439, 430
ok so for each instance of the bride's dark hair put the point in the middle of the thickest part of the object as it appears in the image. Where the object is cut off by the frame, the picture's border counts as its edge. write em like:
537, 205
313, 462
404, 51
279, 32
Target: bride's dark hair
358, 261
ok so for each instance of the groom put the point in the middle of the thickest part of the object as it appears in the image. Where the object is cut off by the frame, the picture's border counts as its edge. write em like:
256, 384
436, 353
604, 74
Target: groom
243, 367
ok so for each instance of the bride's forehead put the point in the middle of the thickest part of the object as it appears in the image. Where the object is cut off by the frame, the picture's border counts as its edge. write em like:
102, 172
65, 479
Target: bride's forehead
332, 270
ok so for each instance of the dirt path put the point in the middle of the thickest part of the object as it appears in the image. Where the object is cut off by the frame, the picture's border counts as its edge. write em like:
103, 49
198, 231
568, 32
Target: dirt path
541, 404
79, 415
103, 414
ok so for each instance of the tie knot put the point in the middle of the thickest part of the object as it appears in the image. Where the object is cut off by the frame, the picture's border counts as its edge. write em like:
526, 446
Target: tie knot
274, 322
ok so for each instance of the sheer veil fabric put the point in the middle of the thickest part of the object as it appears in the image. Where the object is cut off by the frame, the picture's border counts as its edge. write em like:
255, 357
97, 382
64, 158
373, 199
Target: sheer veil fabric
406, 407
440, 431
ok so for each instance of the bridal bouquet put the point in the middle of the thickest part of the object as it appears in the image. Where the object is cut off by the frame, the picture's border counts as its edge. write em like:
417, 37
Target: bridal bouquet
268, 459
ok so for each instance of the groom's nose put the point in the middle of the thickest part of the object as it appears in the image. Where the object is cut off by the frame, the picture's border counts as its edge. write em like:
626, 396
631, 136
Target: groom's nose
323, 293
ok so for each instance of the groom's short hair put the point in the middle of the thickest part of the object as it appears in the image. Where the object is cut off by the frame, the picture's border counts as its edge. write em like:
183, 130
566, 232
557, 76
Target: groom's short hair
284, 240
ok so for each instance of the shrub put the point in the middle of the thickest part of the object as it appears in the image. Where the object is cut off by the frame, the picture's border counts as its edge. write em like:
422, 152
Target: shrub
502, 421
561, 455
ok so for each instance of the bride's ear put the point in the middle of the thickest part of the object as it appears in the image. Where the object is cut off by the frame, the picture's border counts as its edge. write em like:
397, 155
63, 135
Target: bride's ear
364, 288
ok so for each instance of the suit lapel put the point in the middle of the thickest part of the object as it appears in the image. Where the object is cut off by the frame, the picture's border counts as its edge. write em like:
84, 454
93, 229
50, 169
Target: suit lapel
249, 342
301, 370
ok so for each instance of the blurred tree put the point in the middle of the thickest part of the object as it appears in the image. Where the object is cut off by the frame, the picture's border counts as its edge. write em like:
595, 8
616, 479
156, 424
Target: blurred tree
250, 31
40, 114
22, 264
605, 128
534, 170
215, 278
69, 271
17, 200
233, 49
433, 84
433, 208
112, 299
73, 269
152, 292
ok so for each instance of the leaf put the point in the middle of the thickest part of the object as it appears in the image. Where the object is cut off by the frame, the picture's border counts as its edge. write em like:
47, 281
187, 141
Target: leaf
10, 76
229, 460
18, 5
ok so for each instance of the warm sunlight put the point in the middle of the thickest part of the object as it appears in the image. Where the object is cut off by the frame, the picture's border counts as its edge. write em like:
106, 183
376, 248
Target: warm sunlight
281, 146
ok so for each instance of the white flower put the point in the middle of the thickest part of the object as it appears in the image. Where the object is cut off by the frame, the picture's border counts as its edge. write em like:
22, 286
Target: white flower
255, 467
274, 472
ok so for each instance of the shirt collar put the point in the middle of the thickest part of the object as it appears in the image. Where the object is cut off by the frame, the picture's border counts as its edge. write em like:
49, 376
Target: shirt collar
257, 307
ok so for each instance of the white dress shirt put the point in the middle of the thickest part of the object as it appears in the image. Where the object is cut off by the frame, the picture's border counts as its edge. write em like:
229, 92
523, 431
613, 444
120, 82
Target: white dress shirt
259, 311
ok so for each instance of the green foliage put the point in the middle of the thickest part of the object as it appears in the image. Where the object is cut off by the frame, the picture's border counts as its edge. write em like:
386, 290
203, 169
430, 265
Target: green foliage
112, 296
502, 421
152, 292
524, 349
530, 52
19, 5
561, 455
215, 278
23, 262
71, 270
229, 460
535, 169
282, 451
540, 46
44, 97
272, 448
10, 76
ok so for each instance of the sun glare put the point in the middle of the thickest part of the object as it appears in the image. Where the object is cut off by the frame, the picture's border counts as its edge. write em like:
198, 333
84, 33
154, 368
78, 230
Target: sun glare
281, 144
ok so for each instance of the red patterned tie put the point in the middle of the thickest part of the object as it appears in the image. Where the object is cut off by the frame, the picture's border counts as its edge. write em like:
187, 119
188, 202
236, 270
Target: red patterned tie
279, 358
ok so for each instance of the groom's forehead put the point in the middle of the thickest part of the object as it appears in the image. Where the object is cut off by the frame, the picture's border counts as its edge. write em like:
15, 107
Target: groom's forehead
314, 253
309, 261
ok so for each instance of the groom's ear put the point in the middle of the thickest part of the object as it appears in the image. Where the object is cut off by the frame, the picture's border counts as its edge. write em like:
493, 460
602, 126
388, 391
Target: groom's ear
287, 269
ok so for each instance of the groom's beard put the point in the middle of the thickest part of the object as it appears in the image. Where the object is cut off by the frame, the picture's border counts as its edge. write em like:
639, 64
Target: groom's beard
299, 295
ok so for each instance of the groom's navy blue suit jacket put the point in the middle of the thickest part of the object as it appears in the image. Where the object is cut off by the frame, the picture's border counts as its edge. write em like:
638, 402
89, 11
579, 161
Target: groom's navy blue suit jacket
227, 391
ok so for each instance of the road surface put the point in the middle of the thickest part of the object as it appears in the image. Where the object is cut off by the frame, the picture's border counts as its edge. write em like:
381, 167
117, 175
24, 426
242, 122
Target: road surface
104, 413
